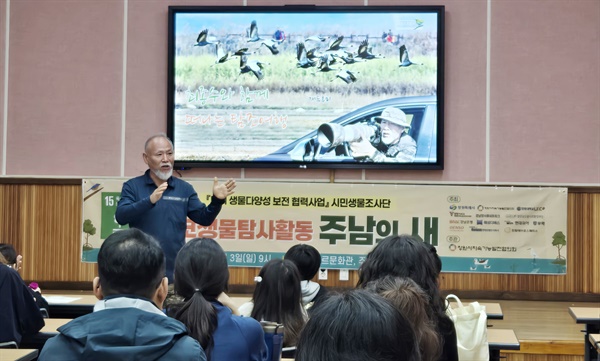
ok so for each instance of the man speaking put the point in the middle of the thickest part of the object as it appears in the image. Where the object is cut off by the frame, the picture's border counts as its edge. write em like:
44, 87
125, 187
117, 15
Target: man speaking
159, 204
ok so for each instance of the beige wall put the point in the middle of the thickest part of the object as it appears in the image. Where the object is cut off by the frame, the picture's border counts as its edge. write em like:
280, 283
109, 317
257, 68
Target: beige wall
80, 103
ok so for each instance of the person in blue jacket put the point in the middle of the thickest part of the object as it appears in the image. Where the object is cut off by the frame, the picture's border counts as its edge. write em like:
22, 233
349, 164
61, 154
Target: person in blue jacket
159, 204
201, 277
127, 322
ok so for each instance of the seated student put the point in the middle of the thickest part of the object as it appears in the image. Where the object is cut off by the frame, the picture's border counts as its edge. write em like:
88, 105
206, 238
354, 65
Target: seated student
14, 260
11, 257
357, 325
201, 276
413, 303
408, 256
308, 260
127, 322
19, 315
277, 298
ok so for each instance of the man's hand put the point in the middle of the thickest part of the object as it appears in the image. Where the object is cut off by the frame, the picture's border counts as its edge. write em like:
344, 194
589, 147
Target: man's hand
362, 149
223, 190
158, 192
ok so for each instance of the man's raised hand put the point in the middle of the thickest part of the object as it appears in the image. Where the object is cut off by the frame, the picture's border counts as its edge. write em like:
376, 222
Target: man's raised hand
223, 190
158, 192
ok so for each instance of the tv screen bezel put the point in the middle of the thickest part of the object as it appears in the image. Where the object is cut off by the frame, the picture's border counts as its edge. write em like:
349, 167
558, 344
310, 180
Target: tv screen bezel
440, 86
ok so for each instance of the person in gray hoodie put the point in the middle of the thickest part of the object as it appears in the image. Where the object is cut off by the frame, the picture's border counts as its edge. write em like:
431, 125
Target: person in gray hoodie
308, 260
127, 322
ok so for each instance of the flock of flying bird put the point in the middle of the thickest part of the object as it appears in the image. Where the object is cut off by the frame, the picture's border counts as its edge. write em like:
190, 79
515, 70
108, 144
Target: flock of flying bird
326, 52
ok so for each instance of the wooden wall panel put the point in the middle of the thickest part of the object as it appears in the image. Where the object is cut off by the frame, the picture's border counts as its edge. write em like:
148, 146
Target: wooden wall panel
43, 221
527, 357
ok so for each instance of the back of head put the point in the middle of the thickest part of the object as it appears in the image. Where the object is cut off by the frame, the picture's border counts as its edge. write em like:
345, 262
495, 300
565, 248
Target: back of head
201, 265
399, 256
277, 297
307, 258
357, 325
201, 275
130, 262
405, 256
9, 253
413, 303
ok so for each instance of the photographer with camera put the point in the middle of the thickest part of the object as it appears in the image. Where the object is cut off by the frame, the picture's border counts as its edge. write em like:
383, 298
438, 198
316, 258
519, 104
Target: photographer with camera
394, 143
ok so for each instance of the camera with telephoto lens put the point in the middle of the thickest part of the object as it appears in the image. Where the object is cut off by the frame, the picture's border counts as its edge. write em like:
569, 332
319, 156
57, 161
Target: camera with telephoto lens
330, 135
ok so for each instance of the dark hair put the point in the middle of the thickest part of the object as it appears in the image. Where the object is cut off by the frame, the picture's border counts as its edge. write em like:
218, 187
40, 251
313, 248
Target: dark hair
130, 262
413, 303
9, 253
408, 256
357, 326
437, 262
307, 258
201, 275
277, 297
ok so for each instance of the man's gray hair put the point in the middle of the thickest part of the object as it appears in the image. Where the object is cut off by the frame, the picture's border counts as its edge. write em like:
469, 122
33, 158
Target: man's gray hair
158, 135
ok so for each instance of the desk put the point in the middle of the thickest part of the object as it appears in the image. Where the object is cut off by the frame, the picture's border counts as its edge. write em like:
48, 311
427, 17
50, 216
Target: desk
52, 324
70, 305
595, 341
590, 316
49, 330
492, 309
499, 339
18, 354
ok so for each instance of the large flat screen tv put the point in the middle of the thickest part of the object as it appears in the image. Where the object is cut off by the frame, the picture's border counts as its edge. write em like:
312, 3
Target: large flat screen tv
306, 87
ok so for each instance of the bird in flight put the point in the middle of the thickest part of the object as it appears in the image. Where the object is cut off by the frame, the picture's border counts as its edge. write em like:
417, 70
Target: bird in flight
364, 51
324, 64
204, 40
404, 59
243, 51
418, 23
252, 32
348, 58
221, 55
252, 66
303, 60
271, 44
335, 44
346, 75
316, 38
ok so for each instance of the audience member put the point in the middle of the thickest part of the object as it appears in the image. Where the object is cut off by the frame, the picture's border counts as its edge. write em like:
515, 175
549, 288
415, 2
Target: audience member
408, 256
308, 260
15, 261
127, 322
201, 277
19, 315
277, 298
413, 303
357, 325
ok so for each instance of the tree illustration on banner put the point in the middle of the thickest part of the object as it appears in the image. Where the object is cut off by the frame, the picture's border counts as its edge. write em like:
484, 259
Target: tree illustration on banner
89, 230
559, 240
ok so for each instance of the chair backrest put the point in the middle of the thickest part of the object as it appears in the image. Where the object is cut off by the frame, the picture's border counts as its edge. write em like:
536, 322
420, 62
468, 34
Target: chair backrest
288, 352
9, 344
273, 338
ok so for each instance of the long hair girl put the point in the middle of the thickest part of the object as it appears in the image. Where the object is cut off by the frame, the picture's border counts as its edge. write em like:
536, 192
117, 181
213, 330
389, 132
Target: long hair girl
277, 297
